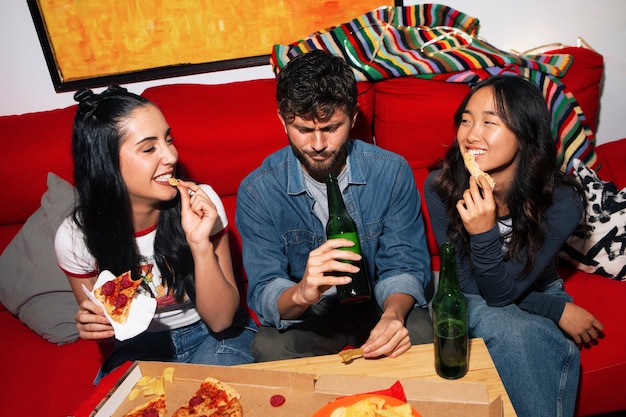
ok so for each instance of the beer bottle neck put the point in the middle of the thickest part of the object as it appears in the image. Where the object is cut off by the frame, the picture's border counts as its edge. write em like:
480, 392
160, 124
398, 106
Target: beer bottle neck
448, 277
336, 205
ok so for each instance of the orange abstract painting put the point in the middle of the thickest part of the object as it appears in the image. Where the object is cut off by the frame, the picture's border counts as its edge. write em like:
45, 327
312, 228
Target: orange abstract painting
91, 38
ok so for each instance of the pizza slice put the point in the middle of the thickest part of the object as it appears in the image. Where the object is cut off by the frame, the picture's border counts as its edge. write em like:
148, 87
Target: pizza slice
474, 169
213, 398
156, 407
117, 295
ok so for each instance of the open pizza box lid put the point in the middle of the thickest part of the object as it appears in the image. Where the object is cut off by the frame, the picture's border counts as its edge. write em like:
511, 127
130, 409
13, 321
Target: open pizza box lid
304, 393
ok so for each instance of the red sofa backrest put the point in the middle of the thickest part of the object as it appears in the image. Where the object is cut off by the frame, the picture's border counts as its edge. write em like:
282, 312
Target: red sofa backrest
33, 144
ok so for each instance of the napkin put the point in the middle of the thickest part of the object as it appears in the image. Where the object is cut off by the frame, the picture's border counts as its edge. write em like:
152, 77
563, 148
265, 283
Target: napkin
141, 312
395, 391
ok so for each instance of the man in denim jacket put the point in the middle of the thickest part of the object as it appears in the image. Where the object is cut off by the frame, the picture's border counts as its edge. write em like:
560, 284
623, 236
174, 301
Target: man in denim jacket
282, 211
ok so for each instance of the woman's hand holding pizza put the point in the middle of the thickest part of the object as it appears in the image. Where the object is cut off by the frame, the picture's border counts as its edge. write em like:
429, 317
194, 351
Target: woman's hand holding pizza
91, 322
478, 207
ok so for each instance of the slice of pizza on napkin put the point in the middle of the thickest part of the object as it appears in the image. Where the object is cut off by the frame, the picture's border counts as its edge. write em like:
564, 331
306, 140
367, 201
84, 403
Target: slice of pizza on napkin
117, 295
129, 310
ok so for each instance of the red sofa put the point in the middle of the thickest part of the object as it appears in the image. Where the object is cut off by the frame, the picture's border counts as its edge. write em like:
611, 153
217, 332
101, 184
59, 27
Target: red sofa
222, 133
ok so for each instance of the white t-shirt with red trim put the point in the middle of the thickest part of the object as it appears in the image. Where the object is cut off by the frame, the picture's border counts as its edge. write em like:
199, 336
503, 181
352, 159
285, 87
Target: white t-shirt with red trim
76, 261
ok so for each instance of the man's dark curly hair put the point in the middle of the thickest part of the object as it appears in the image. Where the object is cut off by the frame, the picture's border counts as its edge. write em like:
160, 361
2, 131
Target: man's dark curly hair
314, 85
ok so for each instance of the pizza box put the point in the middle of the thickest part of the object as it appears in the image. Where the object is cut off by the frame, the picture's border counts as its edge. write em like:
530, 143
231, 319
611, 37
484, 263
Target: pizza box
304, 393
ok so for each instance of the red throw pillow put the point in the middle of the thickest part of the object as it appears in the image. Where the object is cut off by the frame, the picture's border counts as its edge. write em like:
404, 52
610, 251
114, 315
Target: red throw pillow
583, 79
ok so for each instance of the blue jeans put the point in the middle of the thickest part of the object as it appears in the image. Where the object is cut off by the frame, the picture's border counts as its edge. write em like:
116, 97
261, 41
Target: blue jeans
194, 343
537, 363
197, 344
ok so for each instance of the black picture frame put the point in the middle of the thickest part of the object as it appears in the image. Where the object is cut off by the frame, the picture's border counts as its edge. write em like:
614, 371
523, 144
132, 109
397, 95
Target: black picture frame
62, 84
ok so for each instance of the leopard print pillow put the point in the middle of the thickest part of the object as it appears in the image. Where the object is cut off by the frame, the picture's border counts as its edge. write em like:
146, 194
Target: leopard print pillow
599, 246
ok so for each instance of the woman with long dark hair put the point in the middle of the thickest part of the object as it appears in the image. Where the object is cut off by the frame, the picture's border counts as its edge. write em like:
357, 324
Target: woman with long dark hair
508, 239
173, 238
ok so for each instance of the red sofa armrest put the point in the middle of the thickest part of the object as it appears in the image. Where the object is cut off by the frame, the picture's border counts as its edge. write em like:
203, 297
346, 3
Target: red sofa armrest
611, 156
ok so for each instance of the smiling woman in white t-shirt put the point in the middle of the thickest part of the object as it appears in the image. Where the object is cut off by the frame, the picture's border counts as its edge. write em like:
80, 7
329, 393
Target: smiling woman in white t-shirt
174, 238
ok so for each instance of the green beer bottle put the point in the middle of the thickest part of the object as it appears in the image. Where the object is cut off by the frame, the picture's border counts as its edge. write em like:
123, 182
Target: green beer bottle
341, 225
450, 319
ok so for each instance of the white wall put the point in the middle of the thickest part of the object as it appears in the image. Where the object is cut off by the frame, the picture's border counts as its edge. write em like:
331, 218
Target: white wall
25, 84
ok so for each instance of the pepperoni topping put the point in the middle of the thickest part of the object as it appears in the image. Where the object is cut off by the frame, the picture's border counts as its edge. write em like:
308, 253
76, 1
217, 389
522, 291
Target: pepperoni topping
195, 401
108, 288
126, 282
277, 400
150, 412
120, 300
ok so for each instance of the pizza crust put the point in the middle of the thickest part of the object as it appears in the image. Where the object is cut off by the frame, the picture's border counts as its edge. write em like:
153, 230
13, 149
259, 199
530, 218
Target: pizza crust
475, 171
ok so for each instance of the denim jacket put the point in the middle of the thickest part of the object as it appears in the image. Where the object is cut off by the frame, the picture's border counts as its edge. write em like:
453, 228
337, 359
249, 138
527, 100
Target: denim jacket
278, 227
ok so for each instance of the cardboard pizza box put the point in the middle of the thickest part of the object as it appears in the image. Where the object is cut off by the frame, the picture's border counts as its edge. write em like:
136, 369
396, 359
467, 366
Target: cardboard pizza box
304, 393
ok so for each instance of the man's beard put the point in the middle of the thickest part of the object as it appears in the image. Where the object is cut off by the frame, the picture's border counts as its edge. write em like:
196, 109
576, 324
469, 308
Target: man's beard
320, 170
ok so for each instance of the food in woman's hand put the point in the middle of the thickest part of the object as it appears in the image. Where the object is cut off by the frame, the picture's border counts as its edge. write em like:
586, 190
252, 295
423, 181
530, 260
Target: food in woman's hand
474, 169
173, 181
117, 296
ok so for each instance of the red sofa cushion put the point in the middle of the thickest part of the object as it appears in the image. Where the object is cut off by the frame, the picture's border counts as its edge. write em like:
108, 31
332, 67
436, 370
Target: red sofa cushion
603, 365
41, 142
66, 372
